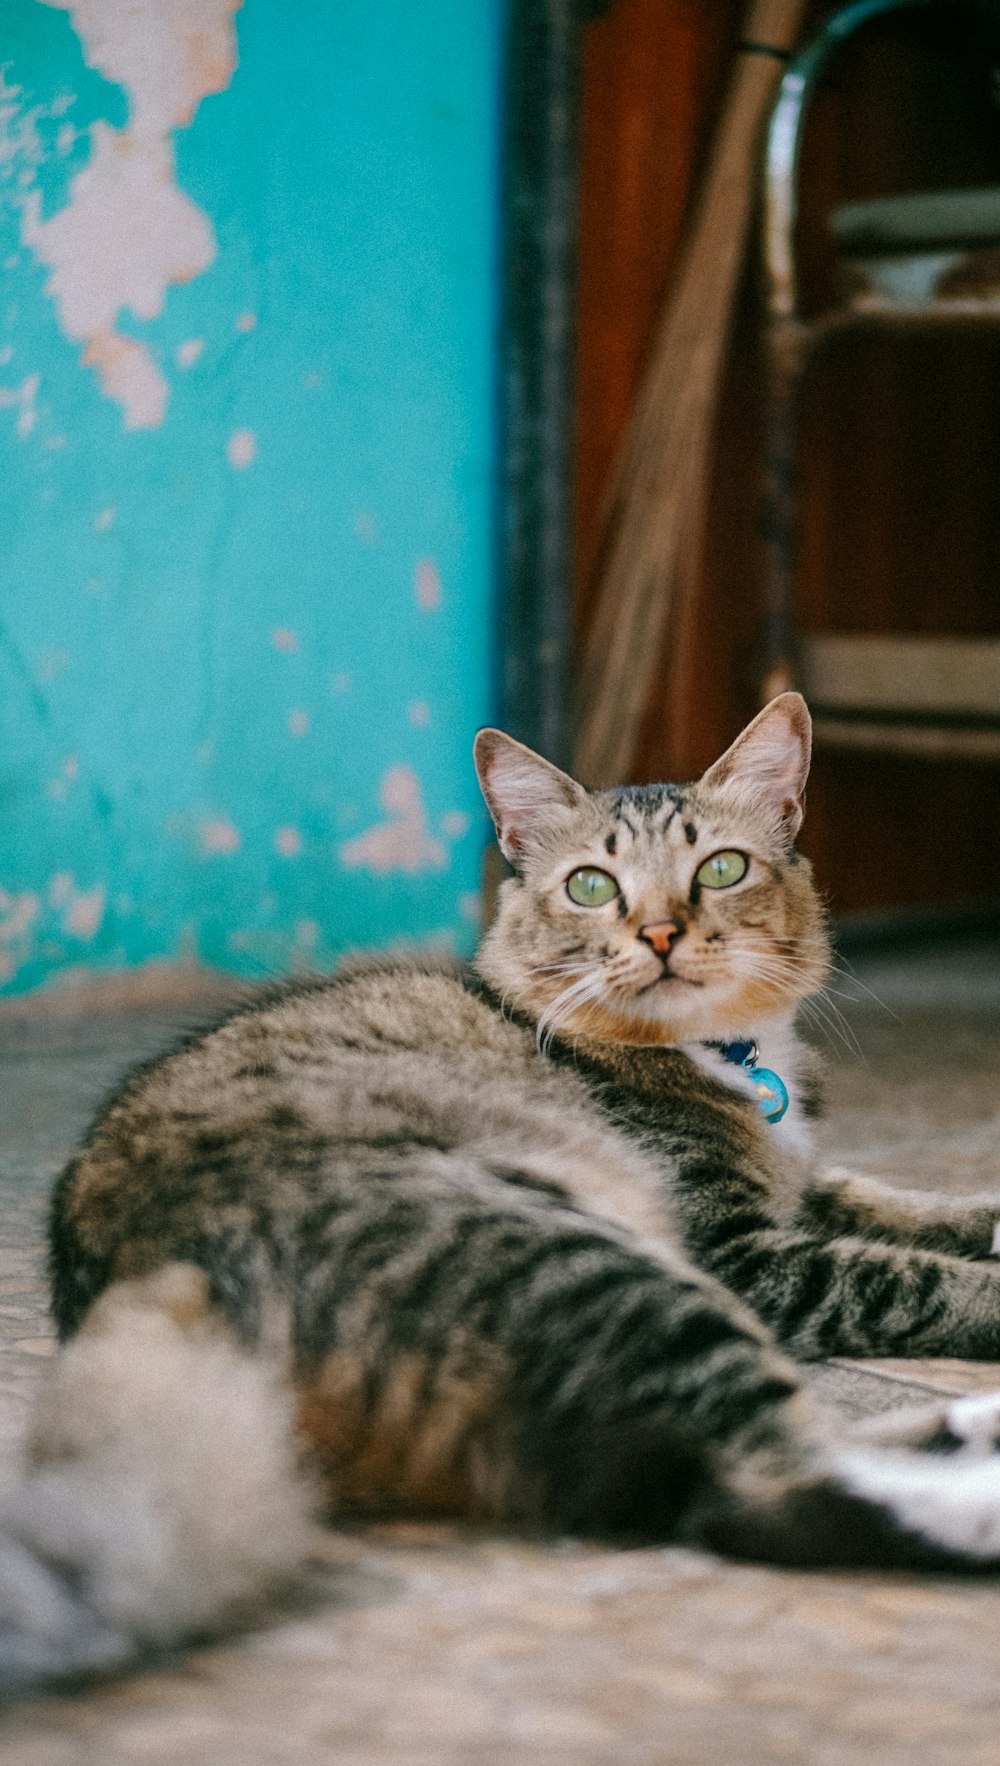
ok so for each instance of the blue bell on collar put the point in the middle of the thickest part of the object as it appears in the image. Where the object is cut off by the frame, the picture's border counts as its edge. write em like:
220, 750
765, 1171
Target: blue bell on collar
770, 1088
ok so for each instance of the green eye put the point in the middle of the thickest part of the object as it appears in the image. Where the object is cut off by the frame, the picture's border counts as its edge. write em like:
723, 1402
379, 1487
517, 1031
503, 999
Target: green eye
722, 869
590, 888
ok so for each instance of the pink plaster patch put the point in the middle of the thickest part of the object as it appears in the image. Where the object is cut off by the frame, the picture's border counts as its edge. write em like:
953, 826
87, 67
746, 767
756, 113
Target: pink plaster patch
403, 842
85, 912
104, 520
246, 321
298, 723
455, 824
189, 351
217, 834
60, 889
241, 450
420, 714
283, 638
17, 912
427, 581
340, 683
288, 841
128, 374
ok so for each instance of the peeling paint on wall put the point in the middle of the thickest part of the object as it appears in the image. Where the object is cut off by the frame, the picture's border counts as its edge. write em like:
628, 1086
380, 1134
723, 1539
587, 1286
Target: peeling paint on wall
427, 580
22, 400
128, 232
217, 834
16, 914
241, 448
246, 414
403, 842
81, 910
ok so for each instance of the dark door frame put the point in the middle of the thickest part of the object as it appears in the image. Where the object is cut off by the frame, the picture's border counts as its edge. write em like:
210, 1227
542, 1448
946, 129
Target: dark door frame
541, 160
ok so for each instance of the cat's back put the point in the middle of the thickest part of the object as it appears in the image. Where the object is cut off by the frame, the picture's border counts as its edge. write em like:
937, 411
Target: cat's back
368, 1053
393, 1072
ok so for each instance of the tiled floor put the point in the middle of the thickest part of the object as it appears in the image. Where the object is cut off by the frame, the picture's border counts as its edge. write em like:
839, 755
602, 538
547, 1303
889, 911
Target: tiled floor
426, 1648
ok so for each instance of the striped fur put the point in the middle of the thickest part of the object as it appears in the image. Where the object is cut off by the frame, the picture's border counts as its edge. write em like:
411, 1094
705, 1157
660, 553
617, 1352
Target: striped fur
533, 1255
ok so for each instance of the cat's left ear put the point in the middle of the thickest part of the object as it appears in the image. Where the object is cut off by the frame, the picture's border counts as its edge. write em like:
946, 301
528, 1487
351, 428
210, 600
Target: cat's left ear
770, 761
521, 791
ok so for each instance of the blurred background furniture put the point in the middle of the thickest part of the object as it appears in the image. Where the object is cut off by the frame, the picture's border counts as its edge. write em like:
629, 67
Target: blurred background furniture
898, 430
921, 259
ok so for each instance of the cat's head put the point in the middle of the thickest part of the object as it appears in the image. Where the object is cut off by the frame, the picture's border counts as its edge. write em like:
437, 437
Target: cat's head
656, 913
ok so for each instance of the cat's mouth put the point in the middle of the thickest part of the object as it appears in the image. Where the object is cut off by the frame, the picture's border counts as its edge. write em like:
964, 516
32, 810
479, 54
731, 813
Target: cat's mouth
668, 975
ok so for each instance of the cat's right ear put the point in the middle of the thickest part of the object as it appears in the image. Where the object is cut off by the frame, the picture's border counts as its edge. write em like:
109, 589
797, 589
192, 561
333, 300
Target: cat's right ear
521, 791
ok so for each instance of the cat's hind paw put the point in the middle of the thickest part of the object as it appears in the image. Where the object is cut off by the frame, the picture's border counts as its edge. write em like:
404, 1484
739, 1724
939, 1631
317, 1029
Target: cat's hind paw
974, 1423
967, 1426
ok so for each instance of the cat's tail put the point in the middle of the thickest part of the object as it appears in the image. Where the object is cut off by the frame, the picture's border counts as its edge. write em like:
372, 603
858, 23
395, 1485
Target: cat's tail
162, 1500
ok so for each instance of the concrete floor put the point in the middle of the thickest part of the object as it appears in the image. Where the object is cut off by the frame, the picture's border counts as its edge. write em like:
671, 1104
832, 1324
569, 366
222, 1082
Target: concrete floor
426, 1647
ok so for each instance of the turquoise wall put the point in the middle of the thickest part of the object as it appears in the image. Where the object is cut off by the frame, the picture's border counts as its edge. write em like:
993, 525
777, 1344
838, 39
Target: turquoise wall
247, 364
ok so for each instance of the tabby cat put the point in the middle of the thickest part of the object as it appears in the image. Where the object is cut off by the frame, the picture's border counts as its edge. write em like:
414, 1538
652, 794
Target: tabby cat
533, 1241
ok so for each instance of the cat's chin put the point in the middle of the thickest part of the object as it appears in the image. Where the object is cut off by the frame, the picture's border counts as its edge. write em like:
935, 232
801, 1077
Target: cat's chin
679, 1015
680, 1011
660, 1018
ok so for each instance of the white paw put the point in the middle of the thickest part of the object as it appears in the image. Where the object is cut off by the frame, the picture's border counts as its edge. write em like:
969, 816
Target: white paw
975, 1421
954, 1502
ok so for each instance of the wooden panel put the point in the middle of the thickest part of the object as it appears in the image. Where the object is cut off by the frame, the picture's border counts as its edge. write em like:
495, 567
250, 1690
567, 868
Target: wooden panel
953, 677
918, 741
885, 830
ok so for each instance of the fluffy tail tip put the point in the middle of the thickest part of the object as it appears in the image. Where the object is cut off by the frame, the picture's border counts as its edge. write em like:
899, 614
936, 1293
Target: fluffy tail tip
163, 1500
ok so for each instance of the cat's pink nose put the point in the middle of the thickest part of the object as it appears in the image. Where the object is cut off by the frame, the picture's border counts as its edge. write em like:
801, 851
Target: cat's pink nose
661, 936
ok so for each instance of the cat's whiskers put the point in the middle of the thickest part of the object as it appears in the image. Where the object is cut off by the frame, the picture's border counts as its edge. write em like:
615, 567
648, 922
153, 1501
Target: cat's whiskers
777, 970
564, 967
839, 966
828, 1018
587, 988
846, 973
